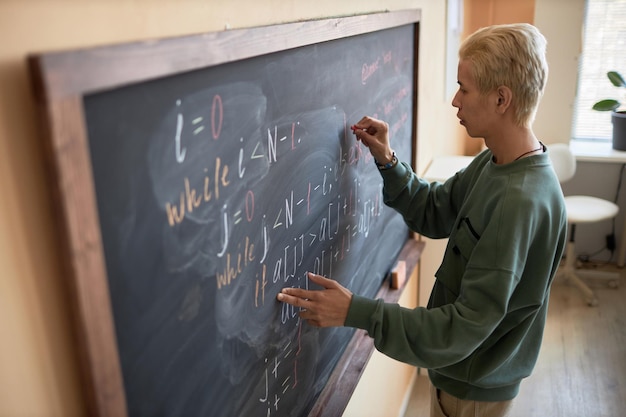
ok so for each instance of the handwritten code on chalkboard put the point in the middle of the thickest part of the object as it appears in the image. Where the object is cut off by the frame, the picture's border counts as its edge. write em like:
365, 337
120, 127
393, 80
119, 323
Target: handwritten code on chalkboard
215, 188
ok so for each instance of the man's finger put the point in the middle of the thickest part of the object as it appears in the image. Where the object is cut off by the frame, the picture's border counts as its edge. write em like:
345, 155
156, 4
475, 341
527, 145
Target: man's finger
299, 292
291, 299
322, 281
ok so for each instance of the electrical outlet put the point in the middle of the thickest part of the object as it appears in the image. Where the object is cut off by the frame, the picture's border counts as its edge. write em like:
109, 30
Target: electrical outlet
610, 242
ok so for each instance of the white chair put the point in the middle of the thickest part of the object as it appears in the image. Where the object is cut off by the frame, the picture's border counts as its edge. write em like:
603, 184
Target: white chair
580, 209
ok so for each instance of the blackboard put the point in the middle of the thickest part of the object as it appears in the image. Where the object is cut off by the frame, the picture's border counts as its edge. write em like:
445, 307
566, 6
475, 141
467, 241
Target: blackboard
190, 197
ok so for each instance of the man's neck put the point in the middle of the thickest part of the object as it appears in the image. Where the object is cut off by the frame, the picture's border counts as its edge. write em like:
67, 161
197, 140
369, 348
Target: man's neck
513, 144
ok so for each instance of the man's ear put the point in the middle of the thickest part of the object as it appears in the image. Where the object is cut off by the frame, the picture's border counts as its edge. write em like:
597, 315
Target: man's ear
504, 97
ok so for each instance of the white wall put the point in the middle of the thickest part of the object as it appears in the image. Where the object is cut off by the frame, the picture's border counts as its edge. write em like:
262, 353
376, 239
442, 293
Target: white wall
598, 179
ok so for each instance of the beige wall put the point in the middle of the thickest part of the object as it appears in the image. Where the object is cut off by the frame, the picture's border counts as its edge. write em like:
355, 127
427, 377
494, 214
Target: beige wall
561, 23
38, 365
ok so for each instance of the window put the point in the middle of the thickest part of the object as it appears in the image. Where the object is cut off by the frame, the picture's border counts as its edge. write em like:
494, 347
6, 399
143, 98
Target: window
604, 49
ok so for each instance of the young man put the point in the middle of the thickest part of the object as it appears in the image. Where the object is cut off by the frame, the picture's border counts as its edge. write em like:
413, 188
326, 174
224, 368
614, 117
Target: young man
505, 219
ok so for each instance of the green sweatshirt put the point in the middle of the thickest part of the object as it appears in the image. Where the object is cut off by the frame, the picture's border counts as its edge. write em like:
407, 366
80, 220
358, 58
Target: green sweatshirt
481, 332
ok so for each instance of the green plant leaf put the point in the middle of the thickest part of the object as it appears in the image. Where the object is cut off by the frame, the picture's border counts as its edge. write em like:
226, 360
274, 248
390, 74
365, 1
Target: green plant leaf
606, 105
616, 79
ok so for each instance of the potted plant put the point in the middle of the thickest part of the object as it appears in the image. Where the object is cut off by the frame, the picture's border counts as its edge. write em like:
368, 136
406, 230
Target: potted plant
618, 117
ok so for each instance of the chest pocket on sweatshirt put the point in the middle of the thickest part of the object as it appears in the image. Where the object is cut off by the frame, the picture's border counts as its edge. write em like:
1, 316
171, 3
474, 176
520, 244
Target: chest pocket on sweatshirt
460, 248
465, 239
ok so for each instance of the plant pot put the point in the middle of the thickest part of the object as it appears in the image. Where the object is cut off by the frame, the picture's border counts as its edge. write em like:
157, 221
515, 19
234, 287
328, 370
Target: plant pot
618, 118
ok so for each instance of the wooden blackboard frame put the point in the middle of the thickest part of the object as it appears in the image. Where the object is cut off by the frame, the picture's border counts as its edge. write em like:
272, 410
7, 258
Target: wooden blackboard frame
61, 82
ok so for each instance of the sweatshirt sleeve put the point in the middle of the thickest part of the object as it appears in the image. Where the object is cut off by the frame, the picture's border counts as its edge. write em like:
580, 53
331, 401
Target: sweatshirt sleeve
427, 208
429, 338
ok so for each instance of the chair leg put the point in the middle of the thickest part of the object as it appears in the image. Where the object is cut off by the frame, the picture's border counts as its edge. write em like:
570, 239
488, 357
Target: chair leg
611, 278
570, 274
589, 295
575, 275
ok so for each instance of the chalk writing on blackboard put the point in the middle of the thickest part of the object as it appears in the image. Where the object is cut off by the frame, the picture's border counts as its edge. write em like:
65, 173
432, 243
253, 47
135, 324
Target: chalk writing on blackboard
231, 183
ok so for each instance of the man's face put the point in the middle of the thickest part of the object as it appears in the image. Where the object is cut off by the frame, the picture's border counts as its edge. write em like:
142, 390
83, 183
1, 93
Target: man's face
475, 111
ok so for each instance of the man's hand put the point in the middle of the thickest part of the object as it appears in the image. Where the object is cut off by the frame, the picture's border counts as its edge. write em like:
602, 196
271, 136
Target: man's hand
320, 308
374, 134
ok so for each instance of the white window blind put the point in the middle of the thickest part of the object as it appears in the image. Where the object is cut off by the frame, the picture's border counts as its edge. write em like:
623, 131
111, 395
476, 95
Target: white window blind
604, 49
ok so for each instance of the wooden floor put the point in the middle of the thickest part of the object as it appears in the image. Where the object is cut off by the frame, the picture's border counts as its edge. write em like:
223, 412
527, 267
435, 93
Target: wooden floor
581, 369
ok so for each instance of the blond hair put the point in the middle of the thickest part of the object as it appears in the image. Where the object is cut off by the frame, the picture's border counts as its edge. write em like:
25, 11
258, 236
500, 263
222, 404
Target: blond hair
512, 55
